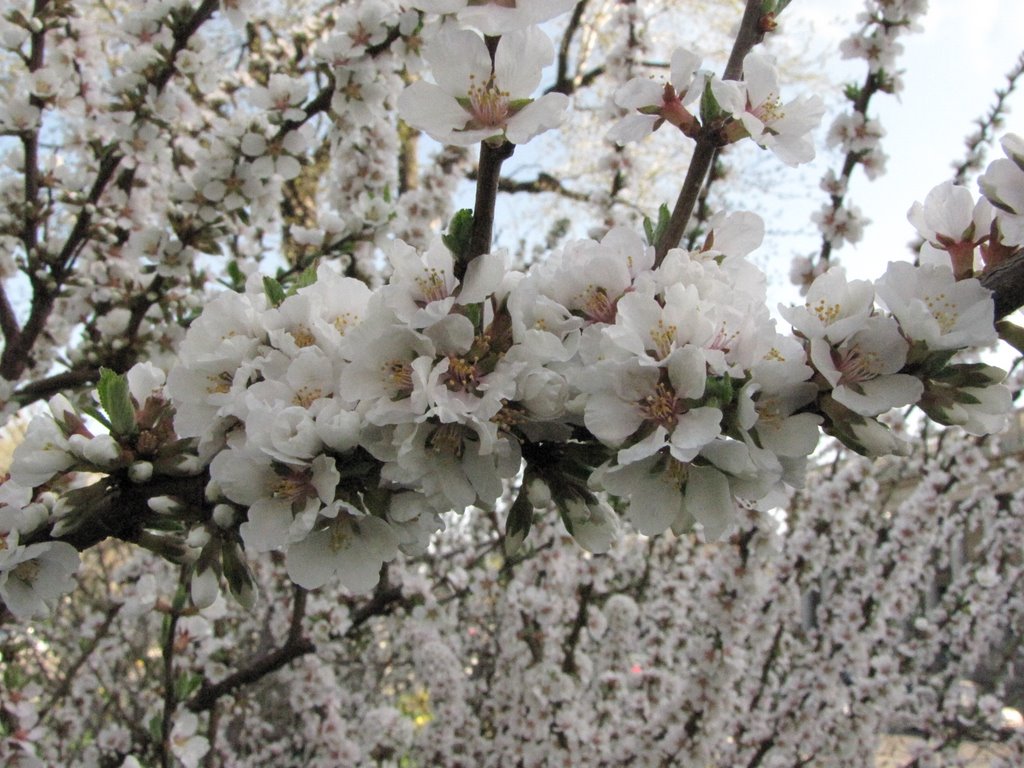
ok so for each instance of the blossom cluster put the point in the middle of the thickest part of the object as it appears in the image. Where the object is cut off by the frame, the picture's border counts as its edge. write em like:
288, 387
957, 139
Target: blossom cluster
339, 424
731, 109
975, 234
877, 607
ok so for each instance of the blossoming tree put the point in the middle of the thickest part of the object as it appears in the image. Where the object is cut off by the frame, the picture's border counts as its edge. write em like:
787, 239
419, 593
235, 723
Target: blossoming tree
358, 462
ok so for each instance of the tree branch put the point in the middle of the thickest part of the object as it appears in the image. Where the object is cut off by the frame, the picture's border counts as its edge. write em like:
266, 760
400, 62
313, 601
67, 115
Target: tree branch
295, 645
1006, 281
488, 174
544, 182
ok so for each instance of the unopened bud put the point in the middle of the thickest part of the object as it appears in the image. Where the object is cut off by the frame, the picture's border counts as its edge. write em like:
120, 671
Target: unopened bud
223, 515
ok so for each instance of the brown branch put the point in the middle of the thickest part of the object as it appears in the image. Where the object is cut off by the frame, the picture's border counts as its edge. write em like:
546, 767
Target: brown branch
988, 124
170, 695
295, 645
1006, 281
563, 83
569, 655
16, 358
64, 687
544, 182
488, 174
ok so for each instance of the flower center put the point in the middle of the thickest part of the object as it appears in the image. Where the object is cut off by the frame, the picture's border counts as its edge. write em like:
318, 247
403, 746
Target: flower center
662, 337
303, 337
293, 486
597, 305
27, 571
945, 312
461, 376
488, 104
662, 407
431, 285
398, 375
827, 313
447, 440
341, 535
306, 396
856, 365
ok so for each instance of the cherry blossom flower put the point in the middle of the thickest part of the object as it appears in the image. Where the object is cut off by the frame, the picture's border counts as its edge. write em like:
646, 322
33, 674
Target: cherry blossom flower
474, 99
935, 308
757, 104
33, 577
864, 368
498, 17
950, 220
1003, 185
350, 546
652, 104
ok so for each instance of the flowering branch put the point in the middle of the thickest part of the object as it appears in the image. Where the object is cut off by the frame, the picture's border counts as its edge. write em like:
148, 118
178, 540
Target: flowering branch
750, 33
988, 124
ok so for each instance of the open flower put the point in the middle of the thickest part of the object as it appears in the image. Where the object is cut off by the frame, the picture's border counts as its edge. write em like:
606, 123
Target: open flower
756, 104
1003, 185
33, 577
864, 369
933, 307
656, 103
351, 546
498, 17
476, 100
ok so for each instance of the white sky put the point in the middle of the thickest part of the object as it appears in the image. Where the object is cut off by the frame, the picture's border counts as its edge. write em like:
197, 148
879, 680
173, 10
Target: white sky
951, 70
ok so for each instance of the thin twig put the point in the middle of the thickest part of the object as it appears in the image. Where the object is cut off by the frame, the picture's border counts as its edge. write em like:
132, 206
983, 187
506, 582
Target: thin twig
488, 174
295, 645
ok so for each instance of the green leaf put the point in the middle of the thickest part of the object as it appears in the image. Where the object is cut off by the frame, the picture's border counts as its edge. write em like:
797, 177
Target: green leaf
236, 275
460, 229
517, 526
305, 279
654, 232
710, 109
116, 401
187, 684
275, 291
238, 576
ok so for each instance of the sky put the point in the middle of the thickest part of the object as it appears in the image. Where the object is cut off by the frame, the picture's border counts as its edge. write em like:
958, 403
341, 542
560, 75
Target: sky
951, 70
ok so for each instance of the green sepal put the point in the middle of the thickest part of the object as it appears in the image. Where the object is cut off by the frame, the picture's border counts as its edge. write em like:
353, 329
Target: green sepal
187, 684
460, 229
238, 575
654, 232
116, 401
710, 109
518, 523
237, 276
274, 290
305, 279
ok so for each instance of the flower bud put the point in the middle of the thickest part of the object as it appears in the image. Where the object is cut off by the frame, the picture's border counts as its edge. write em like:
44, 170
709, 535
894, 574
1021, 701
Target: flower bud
140, 471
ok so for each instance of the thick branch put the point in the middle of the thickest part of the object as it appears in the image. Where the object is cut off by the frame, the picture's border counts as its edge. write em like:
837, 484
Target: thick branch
1006, 281
749, 35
